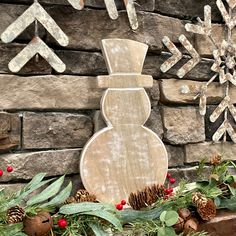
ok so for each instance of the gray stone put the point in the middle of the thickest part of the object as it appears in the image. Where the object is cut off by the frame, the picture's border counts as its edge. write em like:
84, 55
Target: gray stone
55, 130
175, 155
187, 9
27, 165
183, 125
10, 131
85, 34
143, 5
154, 93
184, 91
9, 51
83, 63
49, 92
154, 122
196, 152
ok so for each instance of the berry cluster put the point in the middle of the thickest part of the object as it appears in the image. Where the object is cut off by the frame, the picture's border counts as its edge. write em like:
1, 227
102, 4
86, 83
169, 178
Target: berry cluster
120, 205
169, 190
9, 170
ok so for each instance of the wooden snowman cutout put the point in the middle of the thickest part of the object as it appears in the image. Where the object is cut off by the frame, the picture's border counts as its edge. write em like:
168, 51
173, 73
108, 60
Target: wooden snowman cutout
125, 156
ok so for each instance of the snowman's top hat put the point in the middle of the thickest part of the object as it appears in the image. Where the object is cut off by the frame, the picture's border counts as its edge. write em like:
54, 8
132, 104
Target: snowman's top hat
124, 59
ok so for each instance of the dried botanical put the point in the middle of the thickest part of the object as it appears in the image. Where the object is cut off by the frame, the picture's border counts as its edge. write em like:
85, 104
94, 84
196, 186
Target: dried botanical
15, 214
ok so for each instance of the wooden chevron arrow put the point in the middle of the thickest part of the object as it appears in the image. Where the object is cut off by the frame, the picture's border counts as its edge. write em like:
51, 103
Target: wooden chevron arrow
177, 55
192, 62
34, 12
36, 46
77, 4
225, 127
225, 103
205, 27
230, 22
232, 3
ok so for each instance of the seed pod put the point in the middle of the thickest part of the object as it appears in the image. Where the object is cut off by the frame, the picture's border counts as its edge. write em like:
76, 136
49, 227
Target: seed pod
184, 213
191, 225
179, 226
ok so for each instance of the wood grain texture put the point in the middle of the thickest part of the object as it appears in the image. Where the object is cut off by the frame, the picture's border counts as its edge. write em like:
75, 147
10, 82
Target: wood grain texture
125, 156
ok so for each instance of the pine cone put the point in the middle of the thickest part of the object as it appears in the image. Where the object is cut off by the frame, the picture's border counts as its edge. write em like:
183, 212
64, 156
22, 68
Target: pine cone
207, 212
70, 200
215, 160
146, 197
199, 199
15, 214
83, 195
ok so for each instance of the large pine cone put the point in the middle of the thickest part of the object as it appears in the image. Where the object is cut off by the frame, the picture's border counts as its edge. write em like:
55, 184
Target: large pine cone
199, 199
146, 197
15, 214
207, 212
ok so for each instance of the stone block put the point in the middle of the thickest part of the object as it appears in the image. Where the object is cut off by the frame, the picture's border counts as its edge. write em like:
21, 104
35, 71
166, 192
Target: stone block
187, 9
27, 165
175, 155
183, 125
184, 92
10, 131
196, 152
85, 34
55, 130
49, 92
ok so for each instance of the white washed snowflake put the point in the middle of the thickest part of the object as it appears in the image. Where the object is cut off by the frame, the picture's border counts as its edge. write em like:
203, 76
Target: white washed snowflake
224, 64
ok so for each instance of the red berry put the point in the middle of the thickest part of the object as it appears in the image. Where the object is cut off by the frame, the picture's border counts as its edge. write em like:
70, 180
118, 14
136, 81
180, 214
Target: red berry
62, 223
168, 175
123, 202
9, 169
1, 173
169, 191
172, 180
119, 207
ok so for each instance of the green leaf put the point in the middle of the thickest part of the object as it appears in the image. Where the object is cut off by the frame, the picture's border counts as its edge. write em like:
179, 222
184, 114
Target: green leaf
229, 203
111, 218
170, 231
60, 198
129, 215
47, 193
77, 208
98, 231
169, 217
161, 232
217, 201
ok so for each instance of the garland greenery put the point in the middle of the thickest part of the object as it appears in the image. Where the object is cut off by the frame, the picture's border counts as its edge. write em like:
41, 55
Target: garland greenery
162, 218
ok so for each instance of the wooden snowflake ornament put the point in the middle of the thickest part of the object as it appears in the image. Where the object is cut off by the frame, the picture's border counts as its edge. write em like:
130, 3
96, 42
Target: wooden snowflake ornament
224, 65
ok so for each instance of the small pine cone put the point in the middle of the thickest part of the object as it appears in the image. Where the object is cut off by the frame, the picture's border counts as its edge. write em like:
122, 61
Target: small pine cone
15, 214
215, 160
70, 200
207, 212
83, 195
199, 199
146, 197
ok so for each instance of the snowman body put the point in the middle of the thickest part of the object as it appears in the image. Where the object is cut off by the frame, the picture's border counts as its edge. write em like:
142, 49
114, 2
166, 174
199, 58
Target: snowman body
125, 156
